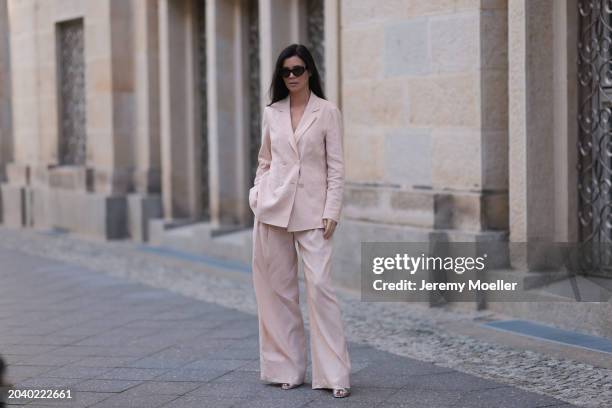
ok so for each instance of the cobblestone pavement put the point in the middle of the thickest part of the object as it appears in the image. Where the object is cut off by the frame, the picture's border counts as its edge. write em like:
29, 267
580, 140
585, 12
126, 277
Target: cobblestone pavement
189, 338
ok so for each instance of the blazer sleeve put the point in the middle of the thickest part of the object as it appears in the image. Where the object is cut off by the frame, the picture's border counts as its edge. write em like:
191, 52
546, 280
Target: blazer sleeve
264, 157
335, 165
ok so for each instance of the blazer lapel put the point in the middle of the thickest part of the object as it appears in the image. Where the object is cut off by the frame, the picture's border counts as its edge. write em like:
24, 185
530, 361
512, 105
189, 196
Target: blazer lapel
308, 117
286, 123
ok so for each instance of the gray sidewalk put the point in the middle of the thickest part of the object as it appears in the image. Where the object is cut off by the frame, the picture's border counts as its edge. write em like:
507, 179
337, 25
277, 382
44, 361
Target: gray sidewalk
116, 343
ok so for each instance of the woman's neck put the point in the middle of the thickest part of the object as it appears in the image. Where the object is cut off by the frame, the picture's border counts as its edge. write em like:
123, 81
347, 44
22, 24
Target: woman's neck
300, 98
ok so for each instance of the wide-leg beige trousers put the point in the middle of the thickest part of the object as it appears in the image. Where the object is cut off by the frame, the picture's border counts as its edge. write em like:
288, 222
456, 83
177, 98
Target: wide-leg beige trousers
282, 340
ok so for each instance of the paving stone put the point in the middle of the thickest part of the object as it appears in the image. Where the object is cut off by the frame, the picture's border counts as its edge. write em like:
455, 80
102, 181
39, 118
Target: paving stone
105, 385
47, 382
144, 346
221, 389
79, 399
27, 371
181, 374
109, 362
124, 400
217, 364
504, 397
274, 391
241, 377
70, 371
372, 395
160, 362
252, 365
332, 402
411, 397
290, 403
48, 360
194, 401
131, 374
448, 381
161, 387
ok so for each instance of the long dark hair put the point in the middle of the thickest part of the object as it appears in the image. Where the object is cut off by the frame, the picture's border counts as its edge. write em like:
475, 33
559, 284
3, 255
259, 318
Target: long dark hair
278, 90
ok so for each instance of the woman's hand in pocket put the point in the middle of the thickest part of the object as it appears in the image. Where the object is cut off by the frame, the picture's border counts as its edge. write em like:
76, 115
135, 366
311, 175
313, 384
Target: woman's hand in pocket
330, 227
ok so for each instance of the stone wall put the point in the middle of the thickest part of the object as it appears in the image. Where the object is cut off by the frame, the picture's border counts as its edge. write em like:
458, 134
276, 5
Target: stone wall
424, 90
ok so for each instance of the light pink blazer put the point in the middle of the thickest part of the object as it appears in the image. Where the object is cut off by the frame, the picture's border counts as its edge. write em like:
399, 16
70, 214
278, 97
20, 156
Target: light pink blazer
300, 177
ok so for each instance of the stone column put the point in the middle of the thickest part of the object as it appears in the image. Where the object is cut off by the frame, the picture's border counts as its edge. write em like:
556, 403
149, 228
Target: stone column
228, 129
6, 141
275, 33
145, 203
110, 119
24, 105
332, 51
146, 76
179, 109
542, 84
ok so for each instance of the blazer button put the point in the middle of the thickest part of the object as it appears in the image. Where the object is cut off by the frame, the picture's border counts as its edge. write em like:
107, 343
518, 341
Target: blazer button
300, 184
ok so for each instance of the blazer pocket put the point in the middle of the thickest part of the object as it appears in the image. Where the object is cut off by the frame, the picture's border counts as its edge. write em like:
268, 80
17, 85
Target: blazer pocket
253, 192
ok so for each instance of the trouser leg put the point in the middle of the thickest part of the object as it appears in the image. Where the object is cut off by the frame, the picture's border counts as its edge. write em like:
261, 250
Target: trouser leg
331, 365
282, 340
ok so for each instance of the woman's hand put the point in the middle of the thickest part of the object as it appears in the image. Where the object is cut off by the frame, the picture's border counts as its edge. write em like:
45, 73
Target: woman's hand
330, 227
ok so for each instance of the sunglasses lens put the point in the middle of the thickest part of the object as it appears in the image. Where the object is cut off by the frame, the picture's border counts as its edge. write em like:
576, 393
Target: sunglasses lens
297, 71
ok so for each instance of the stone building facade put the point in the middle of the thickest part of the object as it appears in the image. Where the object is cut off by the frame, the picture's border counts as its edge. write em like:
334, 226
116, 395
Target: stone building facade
140, 119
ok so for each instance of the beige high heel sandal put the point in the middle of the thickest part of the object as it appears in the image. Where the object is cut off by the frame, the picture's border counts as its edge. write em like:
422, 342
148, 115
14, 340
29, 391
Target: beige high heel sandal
288, 386
341, 392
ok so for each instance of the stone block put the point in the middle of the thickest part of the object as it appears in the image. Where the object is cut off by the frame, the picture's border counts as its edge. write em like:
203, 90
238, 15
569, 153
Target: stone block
496, 211
413, 208
390, 205
494, 4
420, 8
361, 12
96, 215
455, 42
451, 100
494, 99
495, 153
231, 244
141, 209
13, 205
346, 260
406, 48
112, 181
40, 207
386, 105
457, 157
407, 156
18, 174
465, 212
364, 153
113, 210
70, 177
368, 62
494, 38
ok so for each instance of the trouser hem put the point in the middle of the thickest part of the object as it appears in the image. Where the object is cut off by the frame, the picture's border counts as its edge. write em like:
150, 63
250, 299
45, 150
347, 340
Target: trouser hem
327, 386
277, 380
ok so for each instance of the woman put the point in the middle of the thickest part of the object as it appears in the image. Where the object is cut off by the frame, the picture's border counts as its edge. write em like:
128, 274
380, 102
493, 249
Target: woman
297, 198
